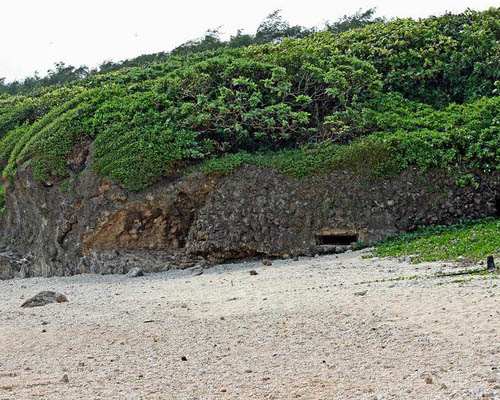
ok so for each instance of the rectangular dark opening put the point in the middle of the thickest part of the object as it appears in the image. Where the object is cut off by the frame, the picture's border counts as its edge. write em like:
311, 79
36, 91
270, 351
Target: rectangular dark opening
336, 240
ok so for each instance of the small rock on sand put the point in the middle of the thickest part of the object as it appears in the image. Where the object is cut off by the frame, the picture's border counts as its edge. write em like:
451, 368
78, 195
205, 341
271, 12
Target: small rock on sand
44, 298
135, 272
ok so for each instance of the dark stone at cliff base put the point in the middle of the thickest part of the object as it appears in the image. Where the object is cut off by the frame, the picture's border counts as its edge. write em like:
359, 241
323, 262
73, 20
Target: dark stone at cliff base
491, 263
44, 298
197, 271
135, 272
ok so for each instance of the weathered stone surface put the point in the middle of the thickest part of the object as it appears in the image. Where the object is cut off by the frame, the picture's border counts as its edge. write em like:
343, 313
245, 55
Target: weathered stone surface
91, 225
135, 272
14, 265
44, 298
261, 212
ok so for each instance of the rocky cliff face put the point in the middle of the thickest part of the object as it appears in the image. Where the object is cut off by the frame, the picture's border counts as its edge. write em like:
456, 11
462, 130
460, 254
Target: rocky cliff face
89, 224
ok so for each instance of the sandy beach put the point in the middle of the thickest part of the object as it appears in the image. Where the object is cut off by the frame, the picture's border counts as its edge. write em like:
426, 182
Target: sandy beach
331, 327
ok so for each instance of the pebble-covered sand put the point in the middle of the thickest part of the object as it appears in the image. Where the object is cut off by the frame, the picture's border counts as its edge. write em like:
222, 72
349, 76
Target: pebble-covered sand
316, 328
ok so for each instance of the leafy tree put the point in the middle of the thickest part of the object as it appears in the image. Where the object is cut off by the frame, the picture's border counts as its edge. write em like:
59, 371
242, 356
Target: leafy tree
359, 19
274, 29
61, 75
211, 41
241, 39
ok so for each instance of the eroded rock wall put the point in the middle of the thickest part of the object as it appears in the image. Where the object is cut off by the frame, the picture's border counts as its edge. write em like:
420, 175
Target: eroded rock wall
90, 225
262, 212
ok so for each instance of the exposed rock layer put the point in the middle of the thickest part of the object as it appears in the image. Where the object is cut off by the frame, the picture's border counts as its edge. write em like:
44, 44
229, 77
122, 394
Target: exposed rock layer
88, 224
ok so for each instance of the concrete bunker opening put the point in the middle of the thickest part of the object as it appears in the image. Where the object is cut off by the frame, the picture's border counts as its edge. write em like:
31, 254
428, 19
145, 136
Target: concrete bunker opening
336, 237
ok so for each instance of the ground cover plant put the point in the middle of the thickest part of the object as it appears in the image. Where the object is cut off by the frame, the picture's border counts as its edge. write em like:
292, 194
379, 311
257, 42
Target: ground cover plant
468, 240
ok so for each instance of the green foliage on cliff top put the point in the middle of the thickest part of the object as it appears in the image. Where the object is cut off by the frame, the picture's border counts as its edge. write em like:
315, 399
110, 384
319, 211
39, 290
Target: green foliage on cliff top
437, 61
376, 99
404, 133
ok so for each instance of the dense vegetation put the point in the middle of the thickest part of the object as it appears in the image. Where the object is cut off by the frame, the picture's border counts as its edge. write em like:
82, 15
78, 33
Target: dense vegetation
375, 99
272, 30
467, 241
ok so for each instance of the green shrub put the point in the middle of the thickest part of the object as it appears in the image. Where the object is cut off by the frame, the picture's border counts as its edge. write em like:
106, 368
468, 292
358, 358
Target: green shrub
467, 135
24, 138
18, 110
242, 104
365, 156
222, 105
405, 134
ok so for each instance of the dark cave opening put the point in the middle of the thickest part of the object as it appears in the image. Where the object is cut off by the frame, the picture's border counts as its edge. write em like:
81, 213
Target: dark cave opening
336, 239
